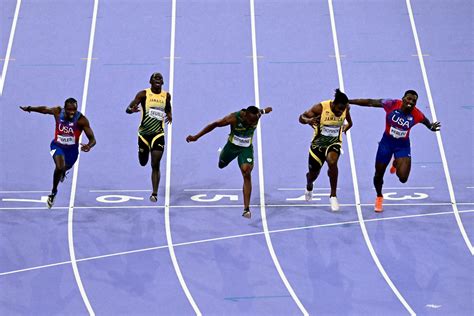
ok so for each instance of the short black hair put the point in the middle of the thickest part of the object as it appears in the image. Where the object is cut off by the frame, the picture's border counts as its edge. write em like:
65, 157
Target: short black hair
253, 109
70, 100
156, 74
340, 97
410, 92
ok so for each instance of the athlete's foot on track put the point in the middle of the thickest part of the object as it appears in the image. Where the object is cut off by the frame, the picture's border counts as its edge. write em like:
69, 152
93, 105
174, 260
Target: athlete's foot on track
308, 195
50, 200
247, 213
154, 198
378, 204
334, 204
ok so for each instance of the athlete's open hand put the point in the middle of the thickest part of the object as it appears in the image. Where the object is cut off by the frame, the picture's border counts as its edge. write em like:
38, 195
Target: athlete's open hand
85, 147
191, 138
25, 108
435, 126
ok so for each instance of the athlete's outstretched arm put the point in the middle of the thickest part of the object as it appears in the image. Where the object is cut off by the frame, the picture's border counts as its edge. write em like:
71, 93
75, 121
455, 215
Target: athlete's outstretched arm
42, 109
347, 126
312, 116
228, 120
435, 126
169, 116
376, 103
134, 105
84, 123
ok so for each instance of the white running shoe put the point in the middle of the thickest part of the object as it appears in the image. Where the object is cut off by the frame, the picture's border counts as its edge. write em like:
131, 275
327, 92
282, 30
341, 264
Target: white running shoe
334, 204
308, 195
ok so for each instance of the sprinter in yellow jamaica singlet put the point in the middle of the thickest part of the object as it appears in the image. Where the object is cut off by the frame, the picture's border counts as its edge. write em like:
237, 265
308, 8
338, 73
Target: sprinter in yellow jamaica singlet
327, 119
154, 104
239, 144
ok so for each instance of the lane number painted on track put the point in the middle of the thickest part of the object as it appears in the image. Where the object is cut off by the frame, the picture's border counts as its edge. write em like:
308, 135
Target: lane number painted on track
215, 198
416, 196
115, 198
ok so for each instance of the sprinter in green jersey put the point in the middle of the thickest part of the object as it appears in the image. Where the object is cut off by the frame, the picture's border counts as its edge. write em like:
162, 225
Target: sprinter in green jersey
239, 144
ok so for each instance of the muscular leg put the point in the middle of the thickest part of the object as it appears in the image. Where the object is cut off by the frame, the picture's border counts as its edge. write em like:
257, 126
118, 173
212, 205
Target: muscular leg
333, 171
143, 155
246, 170
403, 166
59, 170
378, 177
155, 169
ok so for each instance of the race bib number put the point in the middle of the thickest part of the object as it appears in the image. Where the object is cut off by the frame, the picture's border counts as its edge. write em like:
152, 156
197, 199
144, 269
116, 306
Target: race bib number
397, 133
331, 131
241, 141
158, 114
66, 140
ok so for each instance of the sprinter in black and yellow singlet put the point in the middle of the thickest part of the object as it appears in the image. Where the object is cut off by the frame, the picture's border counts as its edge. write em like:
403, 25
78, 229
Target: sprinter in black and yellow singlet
239, 145
155, 105
327, 118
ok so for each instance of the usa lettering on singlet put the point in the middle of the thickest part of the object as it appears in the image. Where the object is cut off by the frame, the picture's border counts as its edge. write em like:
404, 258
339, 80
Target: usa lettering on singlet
397, 123
67, 132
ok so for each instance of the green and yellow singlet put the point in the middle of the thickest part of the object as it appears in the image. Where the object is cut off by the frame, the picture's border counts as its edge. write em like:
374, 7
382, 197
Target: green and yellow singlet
153, 114
240, 134
329, 131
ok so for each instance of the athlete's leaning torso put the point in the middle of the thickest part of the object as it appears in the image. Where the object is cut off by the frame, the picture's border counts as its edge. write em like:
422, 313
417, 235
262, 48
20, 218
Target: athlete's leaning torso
329, 130
398, 123
241, 134
153, 113
67, 132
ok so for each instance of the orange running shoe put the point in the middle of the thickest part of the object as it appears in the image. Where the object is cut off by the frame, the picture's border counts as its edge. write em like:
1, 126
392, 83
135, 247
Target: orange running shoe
378, 204
393, 169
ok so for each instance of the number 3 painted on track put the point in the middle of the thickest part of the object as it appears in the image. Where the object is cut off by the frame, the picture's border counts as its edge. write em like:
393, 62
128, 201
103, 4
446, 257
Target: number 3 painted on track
415, 196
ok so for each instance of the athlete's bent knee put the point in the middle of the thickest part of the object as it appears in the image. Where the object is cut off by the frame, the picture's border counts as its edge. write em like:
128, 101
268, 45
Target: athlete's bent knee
403, 179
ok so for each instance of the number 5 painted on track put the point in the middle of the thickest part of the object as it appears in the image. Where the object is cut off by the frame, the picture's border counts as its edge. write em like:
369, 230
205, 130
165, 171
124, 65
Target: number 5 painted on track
415, 196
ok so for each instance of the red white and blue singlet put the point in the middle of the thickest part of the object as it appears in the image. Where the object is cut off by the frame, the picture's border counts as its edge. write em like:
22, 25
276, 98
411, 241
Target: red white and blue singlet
67, 132
395, 140
397, 123
66, 139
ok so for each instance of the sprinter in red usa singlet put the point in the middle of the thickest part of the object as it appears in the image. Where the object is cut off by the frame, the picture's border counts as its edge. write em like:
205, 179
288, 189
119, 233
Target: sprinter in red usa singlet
65, 146
401, 116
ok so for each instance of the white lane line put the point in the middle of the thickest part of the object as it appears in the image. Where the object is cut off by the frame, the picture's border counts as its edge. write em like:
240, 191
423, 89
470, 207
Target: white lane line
169, 238
260, 169
119, 190
25, 191
354, 175
70, 222
9, 47
305, 205
409, 188
438, 134
302, 189
205, 190
226, 238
